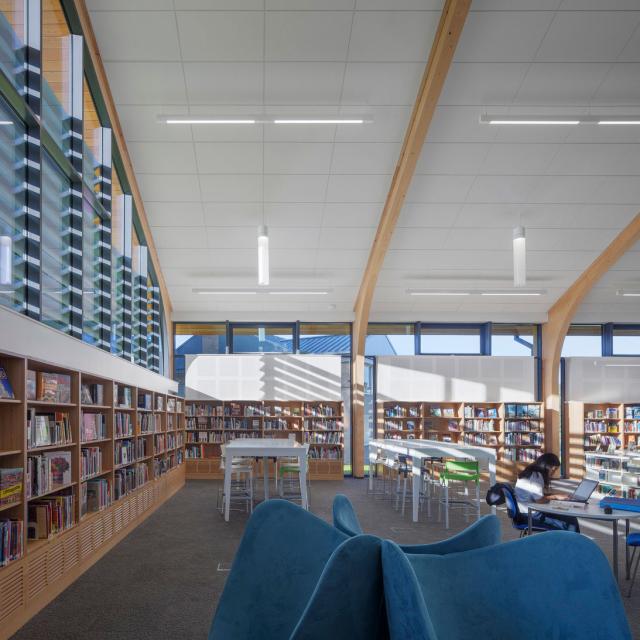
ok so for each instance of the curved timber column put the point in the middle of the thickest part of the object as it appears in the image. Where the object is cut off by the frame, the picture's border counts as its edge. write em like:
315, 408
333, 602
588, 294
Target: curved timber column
555, 329
452, 19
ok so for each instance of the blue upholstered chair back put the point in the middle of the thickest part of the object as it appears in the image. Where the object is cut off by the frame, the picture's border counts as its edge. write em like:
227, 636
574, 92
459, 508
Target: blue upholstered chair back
482, 533
557, 586
295, 576
344, 516
513, 511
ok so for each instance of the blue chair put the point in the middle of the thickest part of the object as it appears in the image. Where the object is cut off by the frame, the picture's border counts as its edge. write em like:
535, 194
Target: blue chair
633, 540
295, 576
557, 586
482, 533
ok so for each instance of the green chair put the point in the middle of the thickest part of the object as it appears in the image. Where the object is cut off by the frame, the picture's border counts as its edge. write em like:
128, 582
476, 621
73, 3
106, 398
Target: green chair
459, 471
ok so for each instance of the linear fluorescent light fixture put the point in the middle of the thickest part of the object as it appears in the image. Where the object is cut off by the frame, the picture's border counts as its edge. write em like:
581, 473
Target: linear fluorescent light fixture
463, 292
560, 120
628, 293
208, 121
519, 258
320, 121
253, 292
263, 255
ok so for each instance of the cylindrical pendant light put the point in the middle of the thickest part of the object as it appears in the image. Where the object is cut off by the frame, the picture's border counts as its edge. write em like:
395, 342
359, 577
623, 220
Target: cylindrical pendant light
263, 255
6, 260
519, 258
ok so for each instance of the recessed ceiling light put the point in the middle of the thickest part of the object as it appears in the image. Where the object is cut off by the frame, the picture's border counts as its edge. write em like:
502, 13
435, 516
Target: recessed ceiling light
628, 293
224, 292
252, 292
294, 292
635, 121
463, 292
529, 119
207, 121
436, 292
531, 292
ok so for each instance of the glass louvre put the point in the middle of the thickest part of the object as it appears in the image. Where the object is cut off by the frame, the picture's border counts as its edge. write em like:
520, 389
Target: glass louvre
117, 265
12, 199
136, 308
55, 251
56, 76
90, 274
91, 139
12, 36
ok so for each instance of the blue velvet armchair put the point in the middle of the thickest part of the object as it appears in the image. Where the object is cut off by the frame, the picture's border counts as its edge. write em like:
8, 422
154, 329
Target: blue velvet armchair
557, 586
295, 576
482, 533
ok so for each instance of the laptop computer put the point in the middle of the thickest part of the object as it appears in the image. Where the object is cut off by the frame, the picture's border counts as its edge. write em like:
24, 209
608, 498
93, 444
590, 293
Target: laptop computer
583, 491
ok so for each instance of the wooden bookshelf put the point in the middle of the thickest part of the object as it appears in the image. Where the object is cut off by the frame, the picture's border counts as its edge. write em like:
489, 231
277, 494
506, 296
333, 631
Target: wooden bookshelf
210, 423
48, 565
516, 437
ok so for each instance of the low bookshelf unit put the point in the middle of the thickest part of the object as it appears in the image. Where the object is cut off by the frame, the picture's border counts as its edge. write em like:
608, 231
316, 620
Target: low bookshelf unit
514, 429
77, 473
210, 423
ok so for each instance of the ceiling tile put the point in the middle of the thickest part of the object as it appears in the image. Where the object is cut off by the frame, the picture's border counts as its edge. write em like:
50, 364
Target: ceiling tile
382, 83
162, 157
351, 215
312, 83
439, 188
221, 36
299, 36
232, 214
168, 188
146, 82
231, 188
392, 36
452, 157
376, 157
224, 82
172, 214
179, 238
620, 87
293, 214
141, 36
294, 157
346, 238
358, 188
294, 188
229, 157
101, 6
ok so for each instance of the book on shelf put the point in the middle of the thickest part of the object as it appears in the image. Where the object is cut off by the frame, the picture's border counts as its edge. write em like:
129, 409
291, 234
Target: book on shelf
128, 479
47, 429
11, 485
31, 385
11, 540
123, 452
90, 461
49, 516
171, 405
92, 393
94, 427
159, 403
6, 390
95, 495
145, 401
632, 412
123, 396
53, 387
47, 471
122, 424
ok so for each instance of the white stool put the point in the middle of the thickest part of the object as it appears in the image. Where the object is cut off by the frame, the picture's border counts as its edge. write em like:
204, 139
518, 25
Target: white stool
241, 487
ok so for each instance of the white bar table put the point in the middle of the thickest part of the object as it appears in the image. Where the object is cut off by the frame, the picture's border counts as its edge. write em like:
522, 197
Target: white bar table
589, 512
418, 450
265, 448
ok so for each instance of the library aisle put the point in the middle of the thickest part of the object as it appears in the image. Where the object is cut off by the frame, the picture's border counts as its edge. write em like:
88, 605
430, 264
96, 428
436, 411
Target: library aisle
164, 579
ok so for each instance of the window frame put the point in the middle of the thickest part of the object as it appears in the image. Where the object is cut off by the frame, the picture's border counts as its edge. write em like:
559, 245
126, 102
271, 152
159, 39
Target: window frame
484, 337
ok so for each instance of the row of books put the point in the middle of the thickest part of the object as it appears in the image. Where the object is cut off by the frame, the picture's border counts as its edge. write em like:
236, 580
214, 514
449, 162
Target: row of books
326, 453
159, 444
94, 427
632, 413
529, 438
124, 452
603, 442
145, 401
480, 425
521, 425
47, 471
50, 516
278, 424
203, 410
242, 423
95, 495
6, 390
238, 410
593, 426
521, 410
92, 393
408, 425
171, 425
520, 455
11, 540
149, 423
123, 396
201, 422
160, 467
205, 436
46, 429
48, 387
11, 485
610, 413
122, 424
320, 409
326, 424
128, 479
472, 411
332, 437
632, 427
141, 449
276, 410
90, 461
401, 411
171, 441
480, 439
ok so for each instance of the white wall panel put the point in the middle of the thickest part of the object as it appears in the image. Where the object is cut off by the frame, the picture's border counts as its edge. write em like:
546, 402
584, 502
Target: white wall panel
603, 379
456, 379
263, 377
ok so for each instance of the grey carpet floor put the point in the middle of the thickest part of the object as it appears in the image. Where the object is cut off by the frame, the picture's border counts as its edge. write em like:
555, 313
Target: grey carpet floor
163, 581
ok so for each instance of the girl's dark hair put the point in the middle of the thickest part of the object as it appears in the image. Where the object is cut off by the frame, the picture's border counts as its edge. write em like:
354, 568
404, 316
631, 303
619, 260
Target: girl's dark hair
543, 465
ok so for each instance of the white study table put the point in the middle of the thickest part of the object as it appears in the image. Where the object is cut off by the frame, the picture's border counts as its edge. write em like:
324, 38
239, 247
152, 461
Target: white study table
590, 511
418, 450
265, 448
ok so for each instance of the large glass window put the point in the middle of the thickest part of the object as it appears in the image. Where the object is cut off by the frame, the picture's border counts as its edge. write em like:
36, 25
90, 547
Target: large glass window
261, 338
583, 340
514, 340
12, 36
117, 265
137, 309
12, 198
55, 251
626, 340
390, 340
56, 76
91, 274
325, 338
91, 138
440, 339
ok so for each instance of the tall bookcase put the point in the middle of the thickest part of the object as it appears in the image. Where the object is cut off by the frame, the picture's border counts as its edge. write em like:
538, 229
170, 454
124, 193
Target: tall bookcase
514, 429
92, 516
210, 423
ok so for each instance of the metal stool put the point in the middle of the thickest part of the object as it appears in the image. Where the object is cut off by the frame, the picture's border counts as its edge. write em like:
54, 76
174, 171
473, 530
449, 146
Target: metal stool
633, 540
459, 471
241, 486
288, 487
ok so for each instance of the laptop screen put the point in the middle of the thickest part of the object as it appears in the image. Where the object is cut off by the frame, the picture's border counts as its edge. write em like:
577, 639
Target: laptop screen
584, 490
